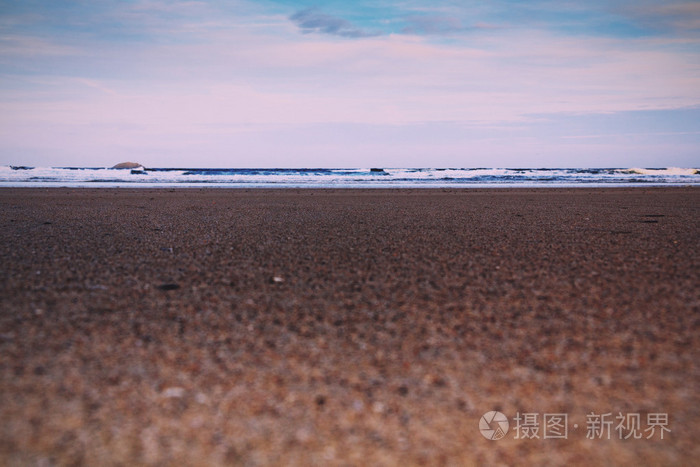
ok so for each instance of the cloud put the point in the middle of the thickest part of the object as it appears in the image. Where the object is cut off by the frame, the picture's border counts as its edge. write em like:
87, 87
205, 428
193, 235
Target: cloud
29, 46
670, 17
440, 25
433, 25
312, 20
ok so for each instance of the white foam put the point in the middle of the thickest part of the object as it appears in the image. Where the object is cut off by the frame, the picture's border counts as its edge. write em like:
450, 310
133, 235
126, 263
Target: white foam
664, 171
357, 177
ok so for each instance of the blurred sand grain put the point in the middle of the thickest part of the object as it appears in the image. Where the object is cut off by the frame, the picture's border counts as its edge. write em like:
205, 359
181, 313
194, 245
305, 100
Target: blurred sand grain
346, 327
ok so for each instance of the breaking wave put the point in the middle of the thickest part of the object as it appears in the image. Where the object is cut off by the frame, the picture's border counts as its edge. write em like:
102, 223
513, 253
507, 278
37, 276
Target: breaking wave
351, 177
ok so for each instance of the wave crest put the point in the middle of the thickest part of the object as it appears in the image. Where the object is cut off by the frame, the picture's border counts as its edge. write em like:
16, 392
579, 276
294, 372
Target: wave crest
663, 171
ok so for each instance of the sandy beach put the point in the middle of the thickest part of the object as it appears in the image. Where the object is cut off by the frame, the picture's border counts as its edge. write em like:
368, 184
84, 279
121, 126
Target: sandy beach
347, 327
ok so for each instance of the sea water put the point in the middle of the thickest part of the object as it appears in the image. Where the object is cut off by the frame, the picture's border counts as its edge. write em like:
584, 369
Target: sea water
20, 176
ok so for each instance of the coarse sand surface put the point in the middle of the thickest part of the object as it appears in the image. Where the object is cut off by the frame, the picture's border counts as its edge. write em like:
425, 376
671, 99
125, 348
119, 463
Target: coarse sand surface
349, 327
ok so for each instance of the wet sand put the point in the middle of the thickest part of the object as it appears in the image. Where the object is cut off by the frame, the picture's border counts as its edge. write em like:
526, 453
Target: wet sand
356, 327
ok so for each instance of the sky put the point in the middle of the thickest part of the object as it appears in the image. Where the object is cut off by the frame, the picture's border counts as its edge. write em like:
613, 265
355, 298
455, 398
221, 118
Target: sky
391, 83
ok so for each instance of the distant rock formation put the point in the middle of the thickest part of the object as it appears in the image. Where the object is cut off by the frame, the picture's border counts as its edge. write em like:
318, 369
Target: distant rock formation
127, 165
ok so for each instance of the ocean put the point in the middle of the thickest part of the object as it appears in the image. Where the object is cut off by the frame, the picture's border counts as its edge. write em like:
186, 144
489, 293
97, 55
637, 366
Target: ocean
21, 176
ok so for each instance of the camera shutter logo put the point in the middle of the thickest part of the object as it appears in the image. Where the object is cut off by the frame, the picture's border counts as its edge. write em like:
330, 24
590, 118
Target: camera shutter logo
493, 425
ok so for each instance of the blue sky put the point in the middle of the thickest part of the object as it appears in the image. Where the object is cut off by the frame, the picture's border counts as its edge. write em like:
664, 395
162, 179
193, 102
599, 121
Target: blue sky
338, 84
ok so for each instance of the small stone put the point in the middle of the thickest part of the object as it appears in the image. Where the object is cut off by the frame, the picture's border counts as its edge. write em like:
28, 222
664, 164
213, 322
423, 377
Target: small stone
168, 287
173, 392
277, 280
201, 398
303, 435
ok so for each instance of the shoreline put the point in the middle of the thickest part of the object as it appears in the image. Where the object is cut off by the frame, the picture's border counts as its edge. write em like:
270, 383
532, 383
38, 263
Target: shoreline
466, 186
345, 326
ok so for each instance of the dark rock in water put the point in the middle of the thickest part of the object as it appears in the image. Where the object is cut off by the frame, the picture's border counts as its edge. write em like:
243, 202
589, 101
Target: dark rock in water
20, 167
138, 171
377, 170
168, 286
127, 165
